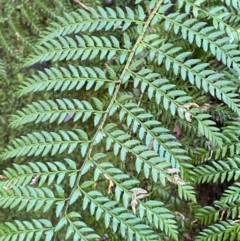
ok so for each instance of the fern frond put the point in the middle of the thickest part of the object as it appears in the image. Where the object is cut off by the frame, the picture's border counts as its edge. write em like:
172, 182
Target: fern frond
46, 9
193, 70
219, 231
218, 15
206, 37
151, 132
28, 198
156, 213
63, 79
49, 173
187, 193
207, 215
122, 181
231, 210
42, 143
147, 160
102, 19
218, 171
164, 92
61, 109
208, 128
230, 149
231, 195
119, 217
76, 228
231, 146
9, 50
17, 230
3, 73
234, 4
82, 48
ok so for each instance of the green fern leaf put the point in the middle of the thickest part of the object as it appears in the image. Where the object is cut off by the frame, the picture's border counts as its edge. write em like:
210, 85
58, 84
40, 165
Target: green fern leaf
121, 219
63, 110
41, 143
81, 21
45, 173
28, 230
146, 160
84, 47
63, 79
207, 215
218, 171
219, 231
157, 214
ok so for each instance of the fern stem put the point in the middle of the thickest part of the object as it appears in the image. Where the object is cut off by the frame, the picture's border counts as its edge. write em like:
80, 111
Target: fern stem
82, 5
117, 88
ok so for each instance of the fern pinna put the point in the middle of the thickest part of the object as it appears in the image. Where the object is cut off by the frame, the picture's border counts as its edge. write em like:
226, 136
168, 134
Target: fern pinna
126, 80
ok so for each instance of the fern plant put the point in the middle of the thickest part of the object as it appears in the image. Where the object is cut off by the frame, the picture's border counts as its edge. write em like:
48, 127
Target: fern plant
148, 104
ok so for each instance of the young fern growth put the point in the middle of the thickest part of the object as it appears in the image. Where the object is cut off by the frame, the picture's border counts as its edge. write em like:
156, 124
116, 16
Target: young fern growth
124, 84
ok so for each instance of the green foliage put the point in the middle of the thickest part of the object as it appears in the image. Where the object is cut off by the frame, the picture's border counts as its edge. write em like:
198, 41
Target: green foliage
131, 111
3, 73
28, 230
